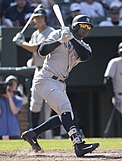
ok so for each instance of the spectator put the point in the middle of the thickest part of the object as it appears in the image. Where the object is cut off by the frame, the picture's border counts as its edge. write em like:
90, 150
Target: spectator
47, 4
6, 3
93, 9
34, 3
119, 5
113, 19
77, 1
107, 3
113, 79
4, 22
17, 12
120, 8
74, 11
10, 105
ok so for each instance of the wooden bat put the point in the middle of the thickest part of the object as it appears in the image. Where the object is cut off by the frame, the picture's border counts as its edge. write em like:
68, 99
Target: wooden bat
30, 19
58, 14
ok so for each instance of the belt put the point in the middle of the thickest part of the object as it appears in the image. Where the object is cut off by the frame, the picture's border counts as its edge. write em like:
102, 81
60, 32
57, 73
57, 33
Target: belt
119, 93
56, 78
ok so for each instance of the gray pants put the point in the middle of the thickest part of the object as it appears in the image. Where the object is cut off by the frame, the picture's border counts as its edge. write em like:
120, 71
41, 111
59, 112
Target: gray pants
37, 103
54, 93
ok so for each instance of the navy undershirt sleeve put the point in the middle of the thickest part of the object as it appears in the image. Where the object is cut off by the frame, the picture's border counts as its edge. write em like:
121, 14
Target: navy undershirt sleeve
47, 48
82, 52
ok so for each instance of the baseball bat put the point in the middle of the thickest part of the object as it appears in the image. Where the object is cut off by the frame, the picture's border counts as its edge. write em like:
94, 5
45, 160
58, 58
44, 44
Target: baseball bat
31, 17
58, 14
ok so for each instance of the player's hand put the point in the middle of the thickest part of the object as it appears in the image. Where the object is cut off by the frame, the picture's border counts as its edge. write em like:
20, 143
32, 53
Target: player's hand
66, 35
19, 39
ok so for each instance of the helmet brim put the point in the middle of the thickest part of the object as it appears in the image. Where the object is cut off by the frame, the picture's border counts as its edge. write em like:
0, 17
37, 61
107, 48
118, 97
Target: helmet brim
83, 23
36, 15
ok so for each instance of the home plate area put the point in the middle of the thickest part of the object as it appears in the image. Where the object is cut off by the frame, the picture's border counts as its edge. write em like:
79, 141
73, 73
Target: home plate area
61, 155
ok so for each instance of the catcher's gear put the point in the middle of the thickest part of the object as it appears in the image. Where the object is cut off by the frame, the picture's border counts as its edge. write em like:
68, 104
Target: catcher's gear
19, 38
66, 35
80, 19
31, 137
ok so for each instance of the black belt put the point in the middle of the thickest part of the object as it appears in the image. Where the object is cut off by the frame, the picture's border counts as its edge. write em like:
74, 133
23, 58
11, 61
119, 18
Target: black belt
56, 78
119, 93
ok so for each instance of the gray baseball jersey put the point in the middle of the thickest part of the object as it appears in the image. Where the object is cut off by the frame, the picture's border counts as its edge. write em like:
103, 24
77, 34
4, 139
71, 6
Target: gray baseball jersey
61, 61
114, 70
58, 63
37, 38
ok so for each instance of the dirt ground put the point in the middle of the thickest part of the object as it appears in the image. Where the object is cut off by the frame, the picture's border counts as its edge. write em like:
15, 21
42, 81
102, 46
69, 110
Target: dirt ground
60, 155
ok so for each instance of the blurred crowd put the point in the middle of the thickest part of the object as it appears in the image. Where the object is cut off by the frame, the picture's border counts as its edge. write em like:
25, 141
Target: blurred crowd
102, 12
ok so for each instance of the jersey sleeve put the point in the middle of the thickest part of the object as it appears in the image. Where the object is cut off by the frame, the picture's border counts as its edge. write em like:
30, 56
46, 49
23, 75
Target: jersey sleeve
53, 36
111, 69
82, 49
49, 44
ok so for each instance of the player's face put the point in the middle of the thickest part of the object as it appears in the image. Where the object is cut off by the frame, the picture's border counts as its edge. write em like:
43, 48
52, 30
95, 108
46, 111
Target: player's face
39, 21
13, 87
115, 16
83, 30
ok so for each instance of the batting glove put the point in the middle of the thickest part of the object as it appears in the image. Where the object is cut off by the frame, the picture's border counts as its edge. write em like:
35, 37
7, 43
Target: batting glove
66, 35
19, 39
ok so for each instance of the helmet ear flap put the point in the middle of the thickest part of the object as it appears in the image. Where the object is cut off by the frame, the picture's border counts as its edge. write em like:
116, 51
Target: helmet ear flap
75, 28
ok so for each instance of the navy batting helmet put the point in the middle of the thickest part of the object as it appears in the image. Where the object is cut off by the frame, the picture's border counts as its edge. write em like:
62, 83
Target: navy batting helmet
120, 48
40, 12
80, 19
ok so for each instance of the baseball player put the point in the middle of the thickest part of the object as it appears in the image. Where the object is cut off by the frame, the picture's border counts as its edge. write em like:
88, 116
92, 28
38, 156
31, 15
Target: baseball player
64, 49
113, 79
38, 36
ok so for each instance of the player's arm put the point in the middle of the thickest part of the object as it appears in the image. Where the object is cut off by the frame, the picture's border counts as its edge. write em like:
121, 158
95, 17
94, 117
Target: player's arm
19, 40
55, 39
82, 52
65, 35
108, 77
47, 47
109, 85
29, 47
